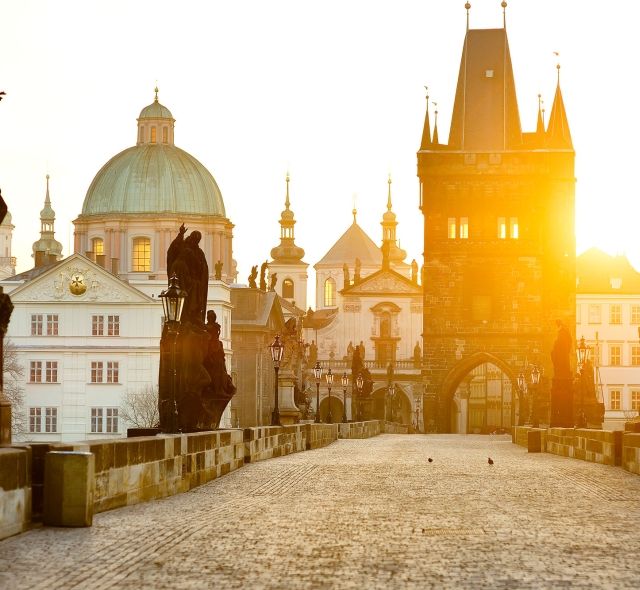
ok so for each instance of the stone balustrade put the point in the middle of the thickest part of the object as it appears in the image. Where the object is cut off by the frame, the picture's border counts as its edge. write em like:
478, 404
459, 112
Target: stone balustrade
631, 452
15, 490
395, 428
359, 429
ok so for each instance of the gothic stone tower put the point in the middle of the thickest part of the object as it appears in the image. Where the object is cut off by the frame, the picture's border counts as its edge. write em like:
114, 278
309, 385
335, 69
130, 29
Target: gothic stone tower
499, 242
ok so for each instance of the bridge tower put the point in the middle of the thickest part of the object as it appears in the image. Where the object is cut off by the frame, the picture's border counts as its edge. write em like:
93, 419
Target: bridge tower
499, 240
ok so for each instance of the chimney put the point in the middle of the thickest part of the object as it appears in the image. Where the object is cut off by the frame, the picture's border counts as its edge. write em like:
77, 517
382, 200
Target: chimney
40, 258
114, 266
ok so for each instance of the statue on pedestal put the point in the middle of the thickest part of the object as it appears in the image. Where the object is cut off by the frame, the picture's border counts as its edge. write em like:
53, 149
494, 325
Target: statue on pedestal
252, 277
561, 383
263, 273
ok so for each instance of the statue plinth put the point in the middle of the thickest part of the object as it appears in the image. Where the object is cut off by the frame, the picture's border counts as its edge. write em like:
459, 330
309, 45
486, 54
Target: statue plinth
289, 412
561, 403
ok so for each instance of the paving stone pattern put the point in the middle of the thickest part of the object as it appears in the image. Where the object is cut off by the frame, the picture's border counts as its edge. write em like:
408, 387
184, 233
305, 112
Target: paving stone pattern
361, 514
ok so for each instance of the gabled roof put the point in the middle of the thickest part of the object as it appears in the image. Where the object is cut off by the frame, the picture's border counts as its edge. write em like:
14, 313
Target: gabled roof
384, 282
253, 308
600, 273
354, 243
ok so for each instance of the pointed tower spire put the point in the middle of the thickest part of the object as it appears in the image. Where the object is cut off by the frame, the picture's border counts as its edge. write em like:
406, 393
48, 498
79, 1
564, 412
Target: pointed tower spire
558, 133
426, 131
287, 203
389, 193
504, 14
47, 249
467, 7
390, 249
540, 123
436, 141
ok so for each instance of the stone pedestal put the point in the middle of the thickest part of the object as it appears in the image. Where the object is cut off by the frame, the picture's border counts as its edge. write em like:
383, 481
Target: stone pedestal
5, 420
561, 403
68, 488
289, 412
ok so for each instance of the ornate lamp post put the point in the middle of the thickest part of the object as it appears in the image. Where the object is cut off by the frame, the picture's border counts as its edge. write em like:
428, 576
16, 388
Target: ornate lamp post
317, 373
418, 414
277, 349
522, 388
329, 378
582, 350
172, 304
345, 383
359, 386
533, 405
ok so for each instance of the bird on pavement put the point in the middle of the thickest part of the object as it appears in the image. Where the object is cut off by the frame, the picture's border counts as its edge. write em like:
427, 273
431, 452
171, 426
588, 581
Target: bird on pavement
430, 460
490, 461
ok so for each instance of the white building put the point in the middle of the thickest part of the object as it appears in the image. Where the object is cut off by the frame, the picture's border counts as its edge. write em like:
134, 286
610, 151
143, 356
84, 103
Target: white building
86, 329
608, 317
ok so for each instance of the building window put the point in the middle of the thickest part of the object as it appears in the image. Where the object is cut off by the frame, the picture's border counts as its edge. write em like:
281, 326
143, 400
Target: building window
329, 292
113, 370
502, 228
96, 372
635, 314
51, 371
35, 372
113, 325
615, 314
104, 420
514, 228
635, 400
97, 325
96, 419
635, 355
52, 324
97, 246
451, 232
614, 399
615, 356
141, 255
594, 313
153, 135
464, 228
36, 324
165, 135
287, 289
35, 419
50, 420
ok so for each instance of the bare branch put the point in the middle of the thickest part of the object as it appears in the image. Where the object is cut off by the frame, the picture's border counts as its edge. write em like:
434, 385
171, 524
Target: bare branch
140, 408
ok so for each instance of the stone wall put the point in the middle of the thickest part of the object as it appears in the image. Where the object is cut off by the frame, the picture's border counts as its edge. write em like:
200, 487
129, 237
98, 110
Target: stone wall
266, 442
360, 429
631, 452
394, 428
15, 491
520, 436
597, 446
320, 435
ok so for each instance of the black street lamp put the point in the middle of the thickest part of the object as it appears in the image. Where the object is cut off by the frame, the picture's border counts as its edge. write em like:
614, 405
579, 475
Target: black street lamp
418, 414
277, 349
317, 373
533, 404
392, 392
345, 383
522, 388
359, 386
582, 350
172, 305
329, 378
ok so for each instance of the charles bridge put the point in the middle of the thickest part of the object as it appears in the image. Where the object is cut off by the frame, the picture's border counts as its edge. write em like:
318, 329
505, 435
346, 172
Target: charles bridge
357, 505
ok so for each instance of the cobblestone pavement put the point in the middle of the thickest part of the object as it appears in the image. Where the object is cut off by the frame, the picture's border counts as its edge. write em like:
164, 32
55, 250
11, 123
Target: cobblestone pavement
361, 514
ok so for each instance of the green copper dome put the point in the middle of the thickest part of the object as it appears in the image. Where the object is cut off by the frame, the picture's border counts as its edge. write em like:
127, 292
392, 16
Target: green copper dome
154, 176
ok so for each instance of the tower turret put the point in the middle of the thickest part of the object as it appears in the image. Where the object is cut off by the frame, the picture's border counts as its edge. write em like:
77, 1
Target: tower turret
47, 249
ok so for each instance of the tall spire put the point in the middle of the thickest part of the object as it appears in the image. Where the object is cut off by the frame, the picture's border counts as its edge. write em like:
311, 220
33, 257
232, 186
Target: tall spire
467, 7
540, 123
389, 193
47, 249
504, 14
287, 251
286, 201
391, 251
426, 131
558, 133
436, 141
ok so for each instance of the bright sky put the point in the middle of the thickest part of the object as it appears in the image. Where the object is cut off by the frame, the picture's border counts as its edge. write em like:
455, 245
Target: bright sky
332, 91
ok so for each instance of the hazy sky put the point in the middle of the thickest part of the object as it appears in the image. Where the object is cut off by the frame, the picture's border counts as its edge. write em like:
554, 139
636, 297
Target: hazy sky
332, 91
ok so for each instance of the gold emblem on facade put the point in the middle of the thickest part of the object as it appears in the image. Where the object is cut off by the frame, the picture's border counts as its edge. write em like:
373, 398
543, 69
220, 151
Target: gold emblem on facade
77, 284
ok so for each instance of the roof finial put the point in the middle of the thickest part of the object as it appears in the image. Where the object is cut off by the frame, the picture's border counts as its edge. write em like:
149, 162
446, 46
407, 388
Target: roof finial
156, 91
504, 13
435, 124
557, 54
467, 6
389, 194
354, 210
286, 202
47, 200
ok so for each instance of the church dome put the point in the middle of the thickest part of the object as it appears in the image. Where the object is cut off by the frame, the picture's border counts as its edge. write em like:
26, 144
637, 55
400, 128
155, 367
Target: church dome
154, 176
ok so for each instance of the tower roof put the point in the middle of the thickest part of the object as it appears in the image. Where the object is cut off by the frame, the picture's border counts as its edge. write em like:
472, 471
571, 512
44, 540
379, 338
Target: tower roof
287, 252
354, 243
485, 113
558, 133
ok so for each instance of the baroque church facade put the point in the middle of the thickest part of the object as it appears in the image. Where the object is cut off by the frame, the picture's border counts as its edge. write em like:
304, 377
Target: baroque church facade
86, 329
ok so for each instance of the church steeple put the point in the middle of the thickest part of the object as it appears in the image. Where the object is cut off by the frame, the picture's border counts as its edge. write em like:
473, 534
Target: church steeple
558, 133
47, 249
389, 225
425, 144
287, 251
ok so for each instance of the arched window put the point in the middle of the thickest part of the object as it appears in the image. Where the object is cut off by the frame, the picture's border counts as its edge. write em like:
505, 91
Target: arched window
287, 289
97, 246
329, 292
165, 135
153, 135
141, 259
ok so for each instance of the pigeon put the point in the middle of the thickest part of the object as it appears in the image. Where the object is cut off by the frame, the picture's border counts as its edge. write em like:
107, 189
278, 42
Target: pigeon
490, 461
430, 460
2, 94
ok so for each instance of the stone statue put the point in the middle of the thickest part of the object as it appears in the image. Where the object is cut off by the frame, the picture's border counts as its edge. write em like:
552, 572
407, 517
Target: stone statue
263, 273
313, 353
350, 350
345, 274
561, 352
218, 270
356, 272
417, 355
386, 252
273, 279
361, 347
186, 260
414, 272
253, 276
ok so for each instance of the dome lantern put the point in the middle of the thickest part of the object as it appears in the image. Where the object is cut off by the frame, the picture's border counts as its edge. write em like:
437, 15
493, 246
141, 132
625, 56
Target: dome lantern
155, 124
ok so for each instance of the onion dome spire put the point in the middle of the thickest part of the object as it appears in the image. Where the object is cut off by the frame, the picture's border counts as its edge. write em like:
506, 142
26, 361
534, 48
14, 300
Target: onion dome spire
47, 249
389, 225
287, 251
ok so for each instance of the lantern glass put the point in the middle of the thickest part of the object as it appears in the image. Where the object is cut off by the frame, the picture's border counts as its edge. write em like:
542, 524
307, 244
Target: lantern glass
392, 390
329, 377
535, 375
345, 380
583, 352
277, 350
173, 300
317, 371
521, 381
360, 382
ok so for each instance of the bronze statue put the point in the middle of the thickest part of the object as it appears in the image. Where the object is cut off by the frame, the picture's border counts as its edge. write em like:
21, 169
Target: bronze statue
252, 277
417, 355
356, 272
313, 354
345, 274
414, 272
263, 272
273, 279
218, 270
561, 352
